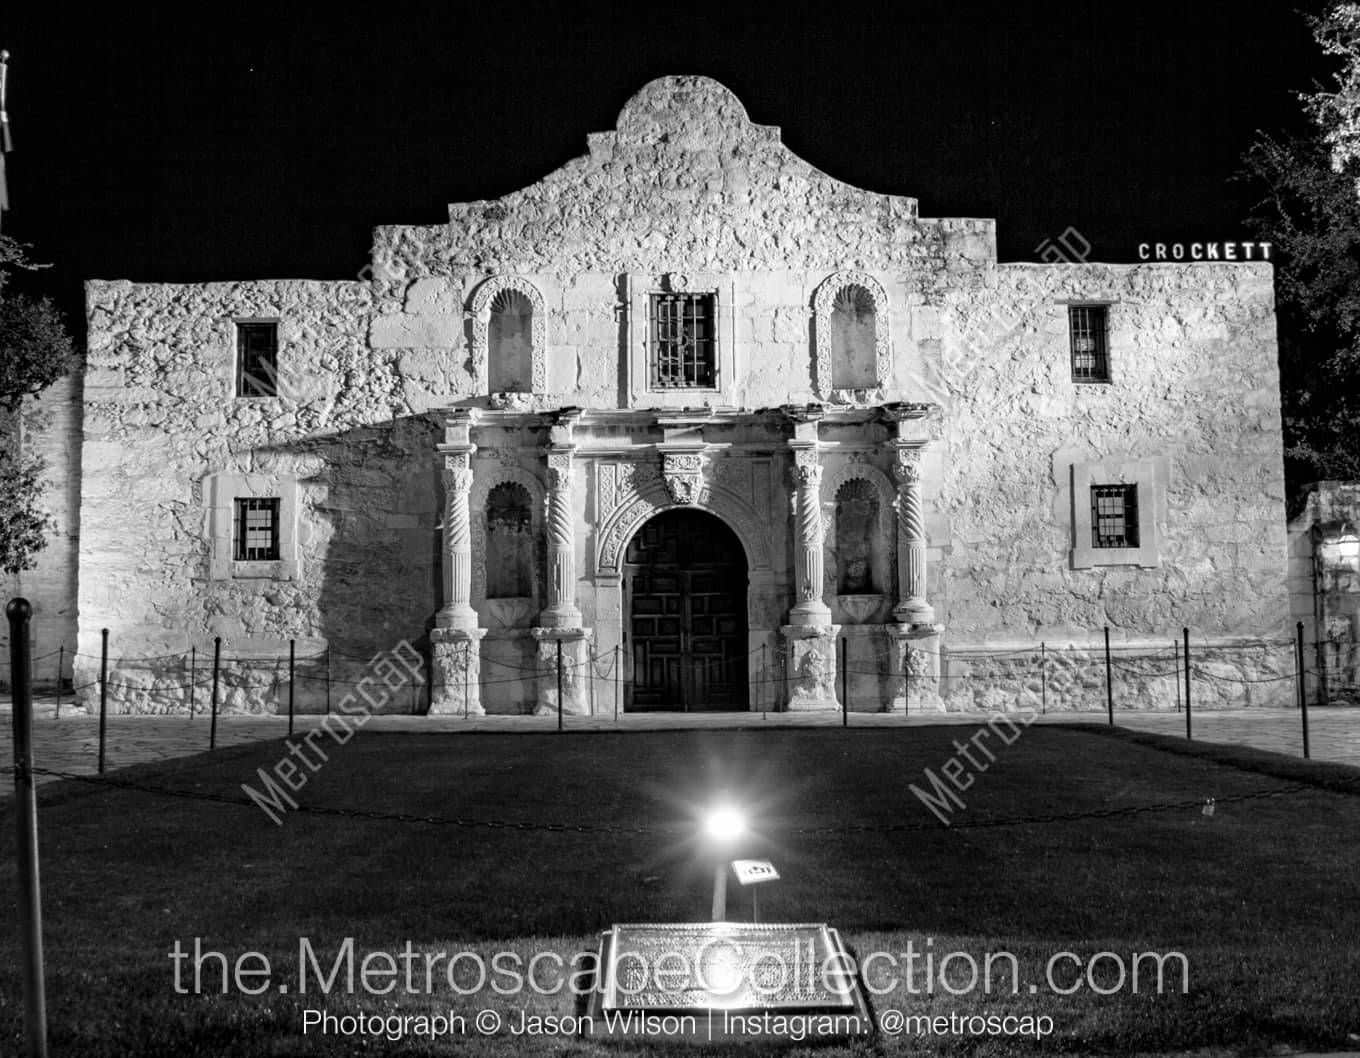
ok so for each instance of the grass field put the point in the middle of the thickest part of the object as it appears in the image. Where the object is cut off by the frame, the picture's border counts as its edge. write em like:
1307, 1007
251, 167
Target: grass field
1262, 897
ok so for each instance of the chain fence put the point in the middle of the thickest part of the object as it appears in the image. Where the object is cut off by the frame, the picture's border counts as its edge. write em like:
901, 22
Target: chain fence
861, 670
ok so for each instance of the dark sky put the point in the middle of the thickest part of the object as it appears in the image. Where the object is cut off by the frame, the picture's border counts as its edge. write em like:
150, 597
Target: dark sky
230, 141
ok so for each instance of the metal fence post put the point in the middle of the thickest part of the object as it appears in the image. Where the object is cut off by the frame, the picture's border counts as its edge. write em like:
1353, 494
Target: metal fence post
906, 678
103, 692
328, 679
1303, 695
1186, 633
1109, 677
292, 658
1043, 677
618, 680
19, 613
762, 696
1175, 646
559, 685
61, 668
217, 664
845, 682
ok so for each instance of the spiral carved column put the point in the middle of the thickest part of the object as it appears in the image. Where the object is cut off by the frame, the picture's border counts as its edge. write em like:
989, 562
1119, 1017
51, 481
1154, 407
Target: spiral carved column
912, 607
808, 562
561, 639
561, 611
455, 641
457, 611
809, 639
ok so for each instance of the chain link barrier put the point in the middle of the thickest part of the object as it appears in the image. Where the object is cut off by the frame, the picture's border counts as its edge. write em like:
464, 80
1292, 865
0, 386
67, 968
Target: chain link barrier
1065, 670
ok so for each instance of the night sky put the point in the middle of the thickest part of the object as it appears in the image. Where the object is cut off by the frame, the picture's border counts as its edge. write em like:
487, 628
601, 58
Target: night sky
242, 141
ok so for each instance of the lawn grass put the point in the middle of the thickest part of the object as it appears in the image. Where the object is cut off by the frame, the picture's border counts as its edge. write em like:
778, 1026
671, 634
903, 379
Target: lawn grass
1262, 897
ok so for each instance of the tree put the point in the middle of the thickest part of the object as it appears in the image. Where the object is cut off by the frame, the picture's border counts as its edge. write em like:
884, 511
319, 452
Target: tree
1311, 214
35, 351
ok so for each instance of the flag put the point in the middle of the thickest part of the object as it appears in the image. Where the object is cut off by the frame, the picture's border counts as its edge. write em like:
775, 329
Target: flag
6, 145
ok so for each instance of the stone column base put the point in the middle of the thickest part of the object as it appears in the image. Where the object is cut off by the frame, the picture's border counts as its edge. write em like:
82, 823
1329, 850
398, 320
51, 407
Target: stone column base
575, 675
915, 612
810, 667
456, 654
916, 653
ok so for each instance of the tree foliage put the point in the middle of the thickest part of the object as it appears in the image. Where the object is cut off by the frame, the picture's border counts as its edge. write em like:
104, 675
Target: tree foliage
35, 348
1310, 212
35, 351
24, 525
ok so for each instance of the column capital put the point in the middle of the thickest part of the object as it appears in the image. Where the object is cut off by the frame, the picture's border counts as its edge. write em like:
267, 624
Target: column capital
560, 467
907, 463
456, 470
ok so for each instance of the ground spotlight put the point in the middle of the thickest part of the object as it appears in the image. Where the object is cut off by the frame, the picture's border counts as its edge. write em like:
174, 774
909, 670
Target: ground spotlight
724, 823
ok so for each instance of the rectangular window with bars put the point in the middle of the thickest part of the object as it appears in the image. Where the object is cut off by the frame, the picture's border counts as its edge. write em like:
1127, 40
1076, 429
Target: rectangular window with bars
257, 359
684, 341
1114, 515
257, 530
1090, 355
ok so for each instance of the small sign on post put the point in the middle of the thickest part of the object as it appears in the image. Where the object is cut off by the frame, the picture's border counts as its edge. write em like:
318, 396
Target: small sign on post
752, 872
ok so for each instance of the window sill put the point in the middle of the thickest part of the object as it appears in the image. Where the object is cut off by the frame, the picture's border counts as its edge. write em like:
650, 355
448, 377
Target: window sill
1102, 557
276, 569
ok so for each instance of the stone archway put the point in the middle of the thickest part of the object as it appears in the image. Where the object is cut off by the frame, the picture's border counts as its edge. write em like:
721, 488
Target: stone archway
685, 587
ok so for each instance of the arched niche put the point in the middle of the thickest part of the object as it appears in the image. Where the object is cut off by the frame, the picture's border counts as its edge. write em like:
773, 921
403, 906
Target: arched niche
851, 334
509, 325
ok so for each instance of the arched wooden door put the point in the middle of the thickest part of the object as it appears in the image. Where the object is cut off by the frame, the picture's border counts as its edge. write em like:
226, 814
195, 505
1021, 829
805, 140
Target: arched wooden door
685, 589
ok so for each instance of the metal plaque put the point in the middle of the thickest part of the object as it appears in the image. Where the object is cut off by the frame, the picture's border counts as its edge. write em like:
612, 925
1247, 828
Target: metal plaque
725, 981
753, 872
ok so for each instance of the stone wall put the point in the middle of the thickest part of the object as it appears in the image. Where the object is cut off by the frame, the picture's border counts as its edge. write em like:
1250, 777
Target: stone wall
1147, 676
1324, 588
161, 420
1195, 396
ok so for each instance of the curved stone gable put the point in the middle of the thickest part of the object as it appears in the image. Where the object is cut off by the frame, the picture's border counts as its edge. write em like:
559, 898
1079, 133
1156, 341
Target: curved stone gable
686, 177
691, 112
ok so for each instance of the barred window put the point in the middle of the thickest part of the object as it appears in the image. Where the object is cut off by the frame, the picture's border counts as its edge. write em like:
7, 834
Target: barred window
257, 359
1090, 357
684, 341
257, 530
1114, 515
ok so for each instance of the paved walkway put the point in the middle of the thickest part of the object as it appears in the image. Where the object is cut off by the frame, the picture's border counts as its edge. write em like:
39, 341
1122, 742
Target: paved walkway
71, 742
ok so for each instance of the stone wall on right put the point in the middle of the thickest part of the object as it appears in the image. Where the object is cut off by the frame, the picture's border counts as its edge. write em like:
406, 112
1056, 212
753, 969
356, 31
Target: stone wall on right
1190, 416
1324, 589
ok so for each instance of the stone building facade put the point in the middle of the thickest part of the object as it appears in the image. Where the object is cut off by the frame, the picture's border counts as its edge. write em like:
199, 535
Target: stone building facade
1324, 588
690, 407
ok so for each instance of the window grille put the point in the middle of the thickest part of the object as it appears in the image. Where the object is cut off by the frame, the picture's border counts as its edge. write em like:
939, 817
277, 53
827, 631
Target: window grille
683, 346
257, 359
257, 530
1090, 358
1114, 515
